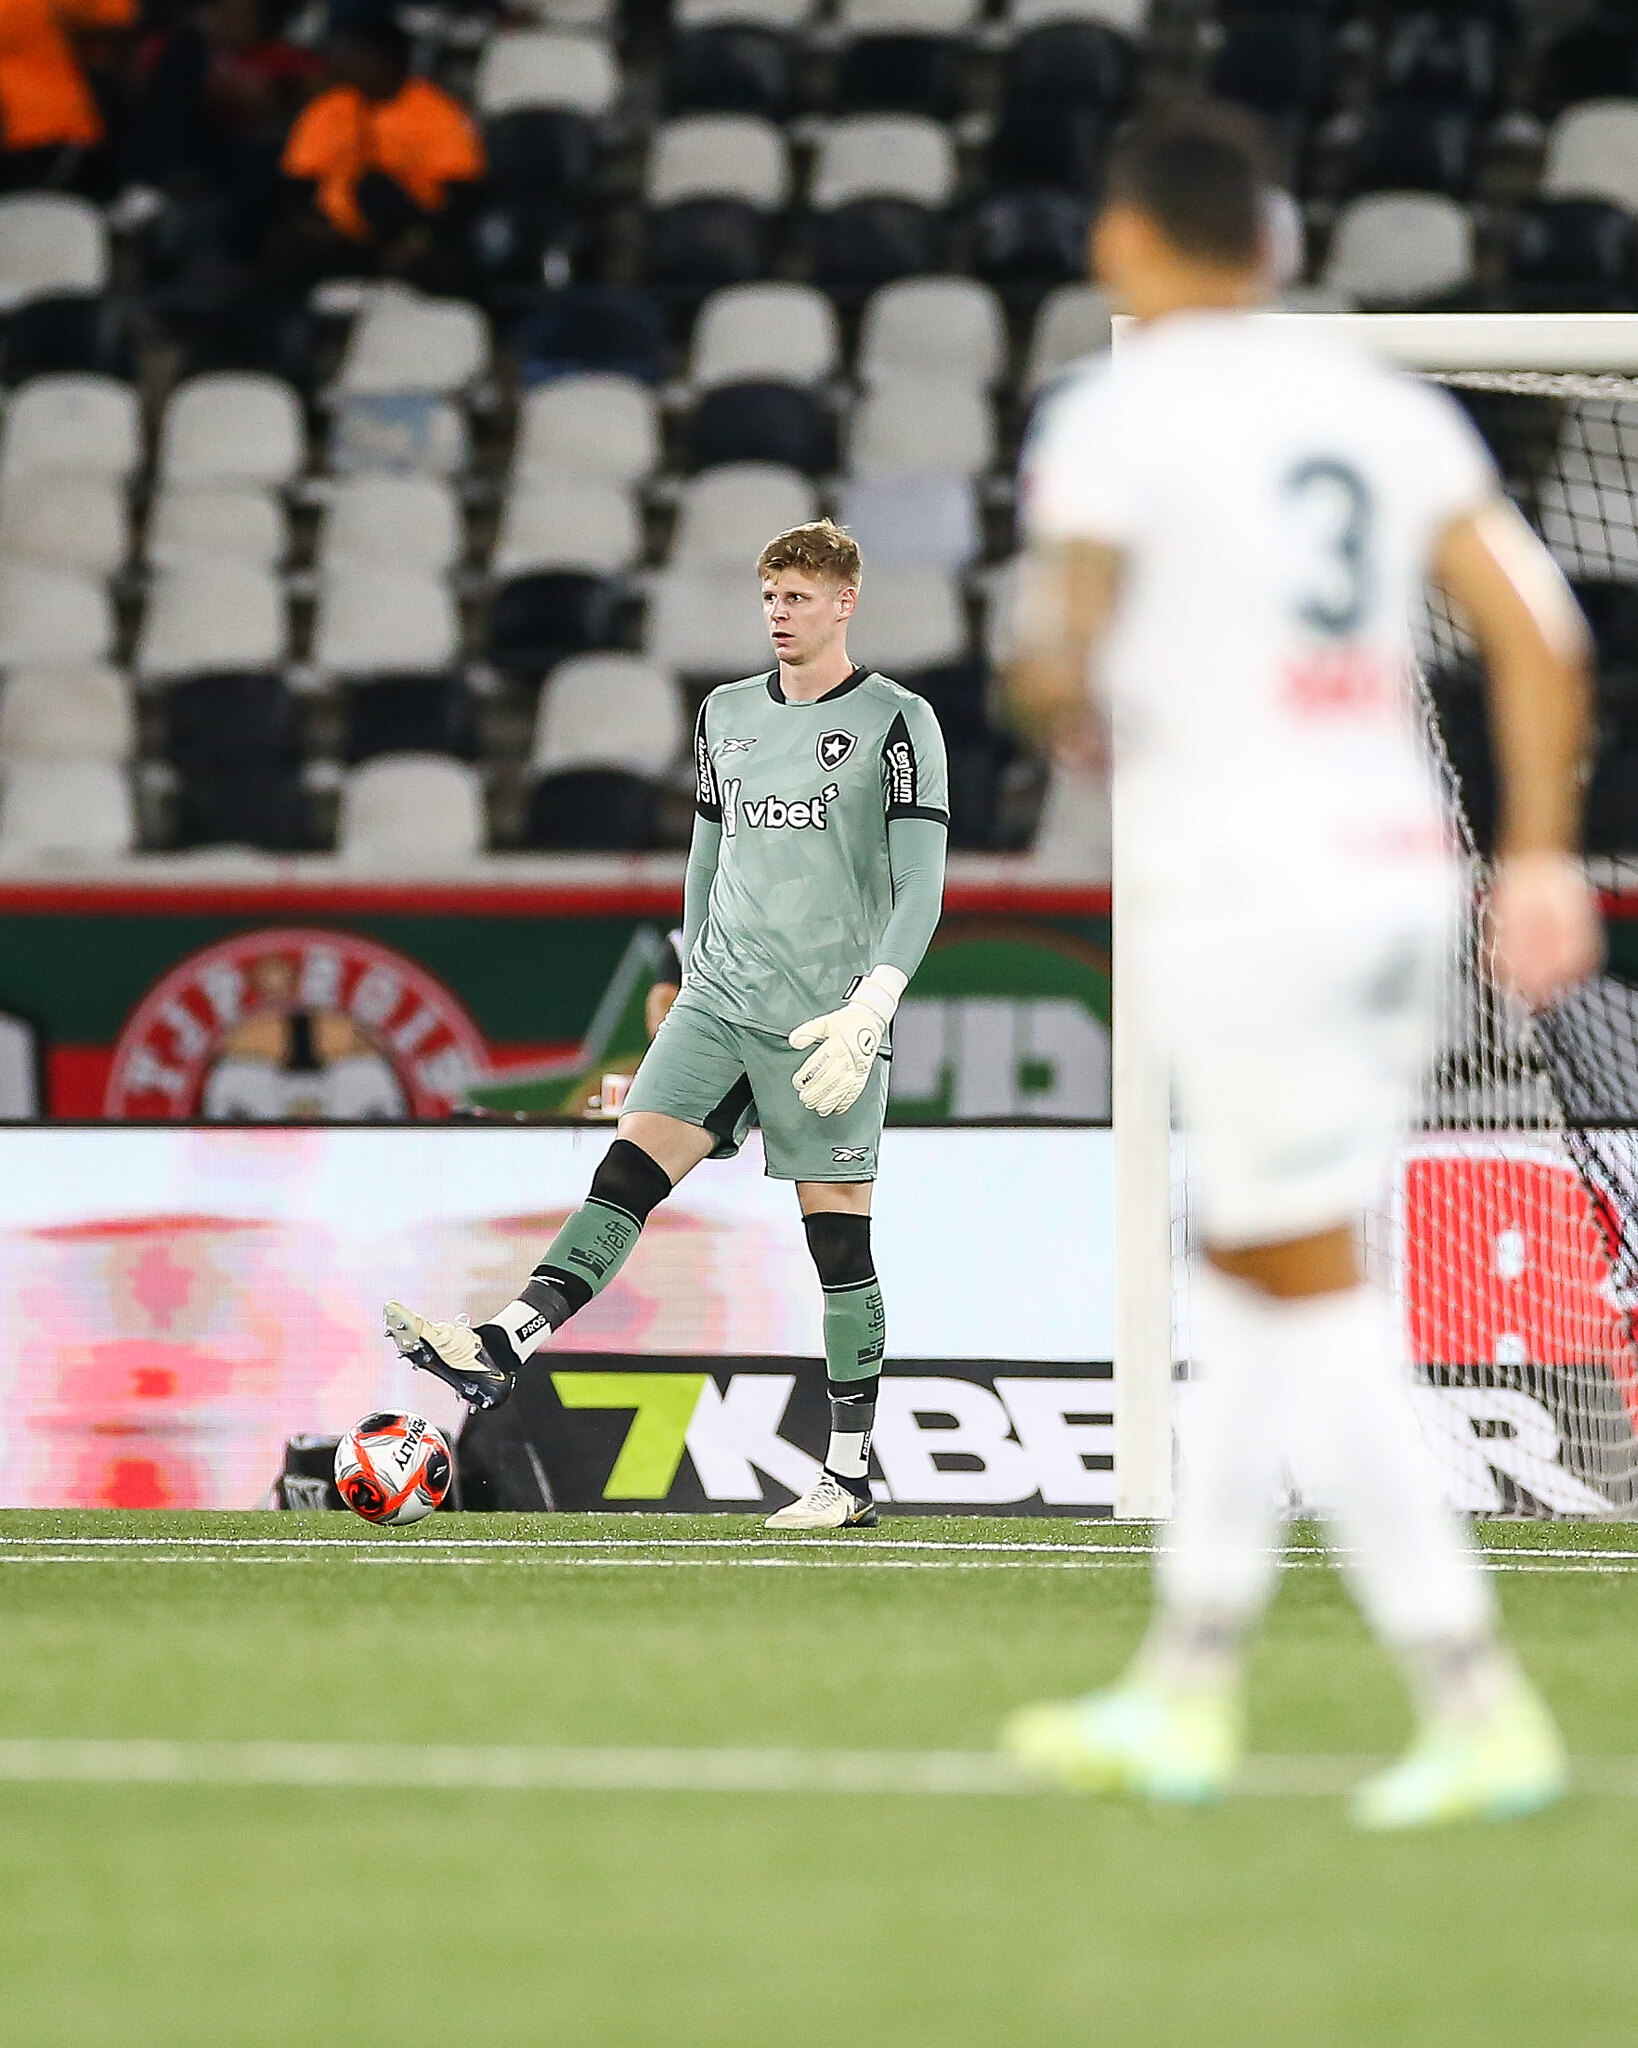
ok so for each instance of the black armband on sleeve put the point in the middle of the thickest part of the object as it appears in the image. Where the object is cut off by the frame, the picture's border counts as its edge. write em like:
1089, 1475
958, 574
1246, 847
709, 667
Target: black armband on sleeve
707, 796
901, 777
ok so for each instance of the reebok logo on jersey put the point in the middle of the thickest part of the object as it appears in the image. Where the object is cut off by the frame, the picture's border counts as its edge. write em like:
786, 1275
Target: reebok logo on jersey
775, 813
834, 748
735, 746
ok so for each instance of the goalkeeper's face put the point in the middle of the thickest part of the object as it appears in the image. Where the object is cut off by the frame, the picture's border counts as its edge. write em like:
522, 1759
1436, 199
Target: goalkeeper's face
807, 615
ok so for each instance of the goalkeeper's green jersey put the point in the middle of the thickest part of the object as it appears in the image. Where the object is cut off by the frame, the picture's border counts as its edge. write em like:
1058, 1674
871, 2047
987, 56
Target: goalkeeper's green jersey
811, 863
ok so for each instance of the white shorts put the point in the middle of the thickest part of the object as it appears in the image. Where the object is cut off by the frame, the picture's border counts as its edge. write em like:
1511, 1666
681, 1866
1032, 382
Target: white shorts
1298, 1034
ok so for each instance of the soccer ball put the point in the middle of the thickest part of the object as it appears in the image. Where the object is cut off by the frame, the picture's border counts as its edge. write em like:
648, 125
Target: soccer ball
393, 1468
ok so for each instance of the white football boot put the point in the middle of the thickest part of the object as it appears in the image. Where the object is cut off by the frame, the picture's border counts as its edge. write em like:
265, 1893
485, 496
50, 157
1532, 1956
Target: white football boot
827, 1504
451, 1352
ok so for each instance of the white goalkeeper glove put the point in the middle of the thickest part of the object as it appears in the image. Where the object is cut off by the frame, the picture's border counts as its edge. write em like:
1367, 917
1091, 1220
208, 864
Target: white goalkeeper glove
847, 1042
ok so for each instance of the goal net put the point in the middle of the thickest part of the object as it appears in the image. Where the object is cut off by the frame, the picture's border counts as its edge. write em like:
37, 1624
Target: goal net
1509, 1235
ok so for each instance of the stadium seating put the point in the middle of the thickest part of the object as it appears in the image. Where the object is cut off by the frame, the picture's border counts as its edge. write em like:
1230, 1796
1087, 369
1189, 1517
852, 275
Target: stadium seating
410, 522
379, 618
58, 812
1400, 249
79, 711
79, 423
51, 245
566, 522
227, 428
714, 182
881, 188
409, 812
66, 520
197, 521
949, 328
206, 614
607, 728
726, 269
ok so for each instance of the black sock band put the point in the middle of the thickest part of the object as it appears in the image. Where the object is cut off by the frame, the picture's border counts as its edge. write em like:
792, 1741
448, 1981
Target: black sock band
628, 1179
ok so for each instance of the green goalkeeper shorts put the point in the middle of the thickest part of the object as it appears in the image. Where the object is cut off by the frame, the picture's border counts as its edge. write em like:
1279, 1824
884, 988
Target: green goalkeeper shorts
726, 1077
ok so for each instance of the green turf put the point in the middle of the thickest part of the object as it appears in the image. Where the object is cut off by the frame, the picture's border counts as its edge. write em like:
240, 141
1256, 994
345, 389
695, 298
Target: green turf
190, 1917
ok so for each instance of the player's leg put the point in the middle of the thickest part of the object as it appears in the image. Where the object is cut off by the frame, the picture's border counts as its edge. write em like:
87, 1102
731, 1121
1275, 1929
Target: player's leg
836, 1218
689, 1100
1293, 1082
833, 1163
1486, 1746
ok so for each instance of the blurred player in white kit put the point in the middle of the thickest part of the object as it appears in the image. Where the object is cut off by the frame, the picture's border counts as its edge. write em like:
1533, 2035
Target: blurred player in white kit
1238, 522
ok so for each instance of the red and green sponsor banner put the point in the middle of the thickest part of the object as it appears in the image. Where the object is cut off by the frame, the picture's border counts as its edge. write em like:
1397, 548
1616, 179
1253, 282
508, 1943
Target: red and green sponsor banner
291, 1002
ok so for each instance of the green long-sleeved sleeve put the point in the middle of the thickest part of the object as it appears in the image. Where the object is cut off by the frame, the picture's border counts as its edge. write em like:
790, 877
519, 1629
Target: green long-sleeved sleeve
915, 852
703, 850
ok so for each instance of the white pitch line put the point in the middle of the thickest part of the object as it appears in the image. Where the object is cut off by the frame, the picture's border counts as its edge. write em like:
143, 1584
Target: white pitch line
1499, 1553
412, 1555
451, 1767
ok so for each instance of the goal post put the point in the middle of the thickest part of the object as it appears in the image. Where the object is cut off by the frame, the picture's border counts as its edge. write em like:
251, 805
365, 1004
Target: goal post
1512, 1120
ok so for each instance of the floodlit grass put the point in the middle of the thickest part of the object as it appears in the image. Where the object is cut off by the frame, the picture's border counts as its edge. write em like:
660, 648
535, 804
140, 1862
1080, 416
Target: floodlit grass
189, 1916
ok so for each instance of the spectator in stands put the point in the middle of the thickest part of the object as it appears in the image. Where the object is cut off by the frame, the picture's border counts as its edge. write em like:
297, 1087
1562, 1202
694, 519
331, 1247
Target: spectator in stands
217, 92
385, 167
53, 132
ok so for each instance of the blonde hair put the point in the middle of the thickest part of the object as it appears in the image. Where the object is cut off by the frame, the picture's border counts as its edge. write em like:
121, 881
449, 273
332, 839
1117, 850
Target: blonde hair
821, 548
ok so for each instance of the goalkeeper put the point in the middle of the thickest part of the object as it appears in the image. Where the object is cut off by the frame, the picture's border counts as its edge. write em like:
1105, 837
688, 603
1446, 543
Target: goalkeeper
815, 882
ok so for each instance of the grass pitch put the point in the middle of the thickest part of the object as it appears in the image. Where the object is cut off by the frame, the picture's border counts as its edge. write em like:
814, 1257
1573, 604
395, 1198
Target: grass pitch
228, 1915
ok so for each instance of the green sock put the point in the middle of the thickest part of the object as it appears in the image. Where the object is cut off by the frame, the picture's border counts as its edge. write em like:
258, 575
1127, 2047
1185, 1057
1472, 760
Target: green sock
855, 1338
589, 1250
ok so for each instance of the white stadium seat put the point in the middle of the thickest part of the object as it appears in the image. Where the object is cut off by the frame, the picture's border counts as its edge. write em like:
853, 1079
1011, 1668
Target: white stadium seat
81, 423
66, 520
719, 156
769, 14
232, 427
884, 156
1130, 17
772, 333
608, 711
50, 244
208, 614
566, 522
924, 426
602, 426
414, 811
52, 615
1402, 246
64, 811
948, 328
1592, 153
729, 514
79, 711
906, 518
1073, 323
908, 619
245, 522
906, 17
400, 342
374, 620
571, 14
707, 621
532, 67
406, 522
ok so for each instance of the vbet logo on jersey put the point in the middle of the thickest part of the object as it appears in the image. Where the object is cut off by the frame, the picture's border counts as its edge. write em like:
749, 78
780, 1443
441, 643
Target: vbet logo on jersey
298, 1025
775, 813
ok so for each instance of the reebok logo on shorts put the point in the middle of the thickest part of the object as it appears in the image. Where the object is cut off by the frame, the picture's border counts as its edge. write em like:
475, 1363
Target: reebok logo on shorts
850, 1155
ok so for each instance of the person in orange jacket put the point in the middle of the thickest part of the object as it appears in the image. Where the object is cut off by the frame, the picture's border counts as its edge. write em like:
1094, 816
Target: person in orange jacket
385, 164
51, 127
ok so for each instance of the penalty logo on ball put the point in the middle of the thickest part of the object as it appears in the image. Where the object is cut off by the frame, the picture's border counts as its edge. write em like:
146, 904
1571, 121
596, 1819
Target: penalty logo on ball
393, 1469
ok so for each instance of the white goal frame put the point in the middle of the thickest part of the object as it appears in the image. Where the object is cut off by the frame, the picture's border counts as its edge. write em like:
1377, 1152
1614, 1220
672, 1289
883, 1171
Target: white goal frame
1589, 343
